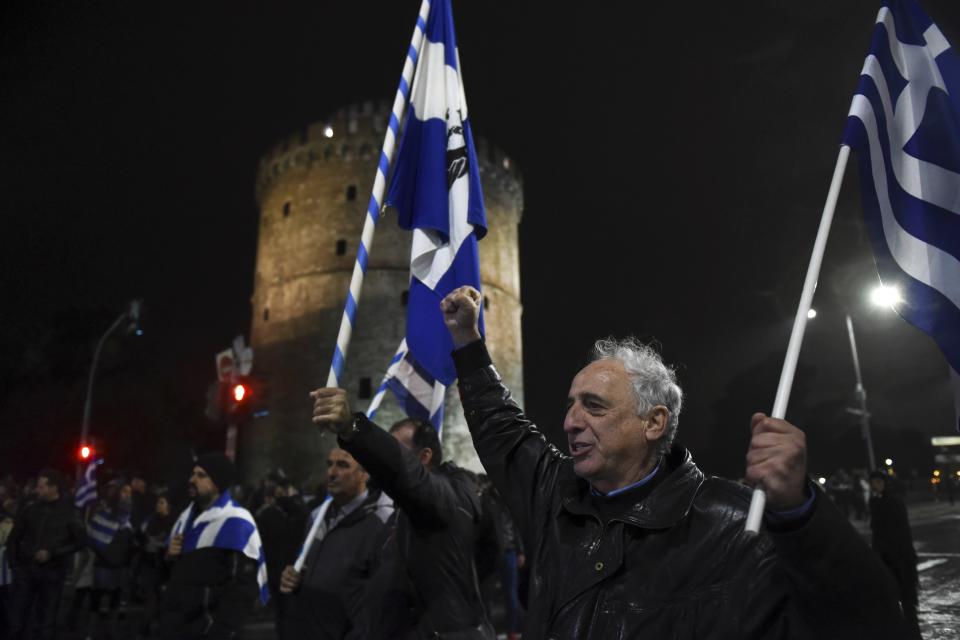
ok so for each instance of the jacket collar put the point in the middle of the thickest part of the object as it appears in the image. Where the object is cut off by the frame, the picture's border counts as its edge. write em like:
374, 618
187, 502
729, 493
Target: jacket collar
665, 507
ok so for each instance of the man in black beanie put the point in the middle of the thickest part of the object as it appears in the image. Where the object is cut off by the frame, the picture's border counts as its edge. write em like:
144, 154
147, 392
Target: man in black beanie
217, 559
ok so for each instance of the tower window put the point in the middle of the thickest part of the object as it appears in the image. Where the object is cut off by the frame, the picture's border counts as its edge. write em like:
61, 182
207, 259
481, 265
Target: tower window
405, 297
366, 389
351, 193
266, 314
341, 247
286, 209
486, 302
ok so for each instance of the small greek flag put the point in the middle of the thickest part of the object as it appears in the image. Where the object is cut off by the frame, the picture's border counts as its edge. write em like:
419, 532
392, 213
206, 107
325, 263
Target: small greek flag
103, 528
87, 489
224, 525
436, 190
904, 124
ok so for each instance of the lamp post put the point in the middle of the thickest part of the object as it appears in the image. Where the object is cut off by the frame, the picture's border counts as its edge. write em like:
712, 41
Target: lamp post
131, 315
861, 398
881, 296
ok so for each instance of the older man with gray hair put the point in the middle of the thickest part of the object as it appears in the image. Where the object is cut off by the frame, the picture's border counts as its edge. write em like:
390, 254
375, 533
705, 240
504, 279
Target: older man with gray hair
627, 538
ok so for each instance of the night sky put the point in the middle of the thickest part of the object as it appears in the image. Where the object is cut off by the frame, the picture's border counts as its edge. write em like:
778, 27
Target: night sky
675, 159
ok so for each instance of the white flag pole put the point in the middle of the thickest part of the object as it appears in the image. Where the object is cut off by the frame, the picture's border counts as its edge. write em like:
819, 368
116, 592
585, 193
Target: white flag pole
375, 207
759, 499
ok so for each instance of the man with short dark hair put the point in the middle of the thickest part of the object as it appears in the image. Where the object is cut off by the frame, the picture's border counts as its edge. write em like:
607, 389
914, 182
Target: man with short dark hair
328, 592
217, 559
426, 586
627, 538
45, 534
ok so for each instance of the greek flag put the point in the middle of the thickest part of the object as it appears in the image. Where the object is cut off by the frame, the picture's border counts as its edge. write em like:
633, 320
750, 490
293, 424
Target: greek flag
224, 525
103, 528
436, 190
420, 395
87, 489
904, 124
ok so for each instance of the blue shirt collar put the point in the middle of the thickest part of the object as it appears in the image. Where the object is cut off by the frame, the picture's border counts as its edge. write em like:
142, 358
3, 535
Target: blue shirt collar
639, 483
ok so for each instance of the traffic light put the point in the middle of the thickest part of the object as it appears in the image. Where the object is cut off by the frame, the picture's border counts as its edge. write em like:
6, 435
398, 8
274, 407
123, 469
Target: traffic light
85, 453
241, 393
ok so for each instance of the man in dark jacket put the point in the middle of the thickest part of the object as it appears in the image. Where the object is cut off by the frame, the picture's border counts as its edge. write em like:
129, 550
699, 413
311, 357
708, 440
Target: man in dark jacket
45, 534
626, 537
893, 542
426, 586
328, 590
217, 559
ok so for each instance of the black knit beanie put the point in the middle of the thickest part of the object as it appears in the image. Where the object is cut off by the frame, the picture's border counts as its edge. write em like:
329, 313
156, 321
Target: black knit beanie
220, 469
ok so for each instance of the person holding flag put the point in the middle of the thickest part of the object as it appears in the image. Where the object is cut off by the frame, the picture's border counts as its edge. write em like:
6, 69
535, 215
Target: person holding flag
218, 567
427, 586
628, 538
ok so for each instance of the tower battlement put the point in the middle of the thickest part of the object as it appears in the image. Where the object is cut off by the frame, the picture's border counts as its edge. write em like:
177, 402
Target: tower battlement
355, 133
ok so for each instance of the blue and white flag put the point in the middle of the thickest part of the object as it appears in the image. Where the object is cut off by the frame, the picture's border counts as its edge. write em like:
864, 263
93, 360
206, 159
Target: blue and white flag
87, 489
436, 190
224, 525
904, 124
104, 527
418, 393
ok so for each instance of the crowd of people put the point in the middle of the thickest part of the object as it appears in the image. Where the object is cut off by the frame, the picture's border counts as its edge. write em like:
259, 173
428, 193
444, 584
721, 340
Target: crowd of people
621, 536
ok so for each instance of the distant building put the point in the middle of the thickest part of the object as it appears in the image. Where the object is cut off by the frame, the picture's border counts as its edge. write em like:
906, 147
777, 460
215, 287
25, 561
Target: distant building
313, 189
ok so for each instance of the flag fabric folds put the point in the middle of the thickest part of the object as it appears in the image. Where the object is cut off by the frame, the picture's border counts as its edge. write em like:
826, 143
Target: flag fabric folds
224, 525
103, 528
418, 393
435, 188
904, 124
87, 489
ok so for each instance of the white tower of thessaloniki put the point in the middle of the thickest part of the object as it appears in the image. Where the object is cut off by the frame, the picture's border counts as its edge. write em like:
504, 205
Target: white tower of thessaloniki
312, 189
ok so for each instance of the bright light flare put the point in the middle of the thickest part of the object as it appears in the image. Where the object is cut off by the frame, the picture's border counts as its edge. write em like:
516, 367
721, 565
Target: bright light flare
239, 393
822, 480
811, 314
328, 131
884, 296
889, 462
85, 452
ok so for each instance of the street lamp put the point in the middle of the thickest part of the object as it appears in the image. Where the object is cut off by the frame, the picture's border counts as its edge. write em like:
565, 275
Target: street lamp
130, 315
884, 296
888, 462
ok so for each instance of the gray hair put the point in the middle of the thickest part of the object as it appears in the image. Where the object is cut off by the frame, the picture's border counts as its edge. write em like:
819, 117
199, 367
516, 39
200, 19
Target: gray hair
654, 383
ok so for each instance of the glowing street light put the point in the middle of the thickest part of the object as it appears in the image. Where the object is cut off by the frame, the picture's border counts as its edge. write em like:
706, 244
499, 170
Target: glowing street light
884, 296
889, 462
811, 313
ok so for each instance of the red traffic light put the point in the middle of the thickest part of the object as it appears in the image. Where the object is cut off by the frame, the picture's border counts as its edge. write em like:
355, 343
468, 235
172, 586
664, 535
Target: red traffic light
240, 392
86, 452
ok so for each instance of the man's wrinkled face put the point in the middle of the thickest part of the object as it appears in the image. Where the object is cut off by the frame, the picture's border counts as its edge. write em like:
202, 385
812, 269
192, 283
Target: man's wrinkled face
202, 489
346, 479
605, 435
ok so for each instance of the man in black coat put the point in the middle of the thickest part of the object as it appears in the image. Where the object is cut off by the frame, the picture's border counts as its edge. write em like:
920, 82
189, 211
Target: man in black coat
893, 542
426, 586
627, 538
327, 593
45, 534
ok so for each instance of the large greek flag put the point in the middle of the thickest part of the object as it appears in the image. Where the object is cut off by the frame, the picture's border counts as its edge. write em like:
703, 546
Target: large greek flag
436, 190
904, 124
224, 525
87, 489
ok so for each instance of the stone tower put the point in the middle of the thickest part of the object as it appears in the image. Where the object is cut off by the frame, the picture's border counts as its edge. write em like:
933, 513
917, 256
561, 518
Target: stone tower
312, 189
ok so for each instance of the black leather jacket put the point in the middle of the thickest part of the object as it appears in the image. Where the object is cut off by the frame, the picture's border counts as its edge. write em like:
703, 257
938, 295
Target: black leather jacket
676, 564
53, 526
426, 585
